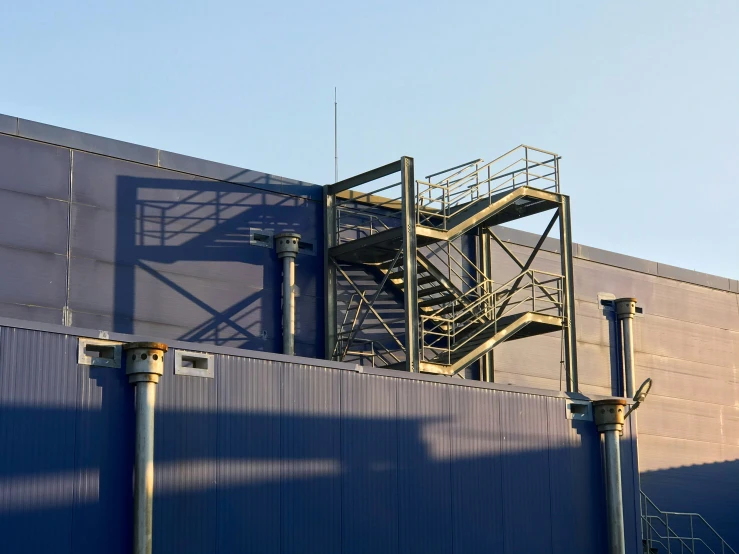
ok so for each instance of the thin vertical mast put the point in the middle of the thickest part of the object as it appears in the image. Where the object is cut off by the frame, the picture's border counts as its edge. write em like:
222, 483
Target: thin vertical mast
336, 140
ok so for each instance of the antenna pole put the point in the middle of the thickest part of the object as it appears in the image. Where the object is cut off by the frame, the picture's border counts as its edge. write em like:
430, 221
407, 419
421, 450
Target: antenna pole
336, 140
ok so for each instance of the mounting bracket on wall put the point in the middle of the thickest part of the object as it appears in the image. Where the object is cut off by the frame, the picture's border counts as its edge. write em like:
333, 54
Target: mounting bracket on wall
98, 352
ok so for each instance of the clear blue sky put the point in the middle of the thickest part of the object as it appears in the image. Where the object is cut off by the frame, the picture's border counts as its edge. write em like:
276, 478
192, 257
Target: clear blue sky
640, 98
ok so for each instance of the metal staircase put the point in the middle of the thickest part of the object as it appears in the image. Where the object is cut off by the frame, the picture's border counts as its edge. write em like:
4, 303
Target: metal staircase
428, 248
678, 532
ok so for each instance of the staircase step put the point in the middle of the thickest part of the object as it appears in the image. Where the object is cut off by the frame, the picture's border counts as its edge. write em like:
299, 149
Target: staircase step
437, 301
386, 265
431, 290
399, 273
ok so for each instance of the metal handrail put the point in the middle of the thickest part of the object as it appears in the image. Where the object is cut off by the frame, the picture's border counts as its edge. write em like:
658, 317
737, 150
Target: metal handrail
439, 201
457, 329
690, 515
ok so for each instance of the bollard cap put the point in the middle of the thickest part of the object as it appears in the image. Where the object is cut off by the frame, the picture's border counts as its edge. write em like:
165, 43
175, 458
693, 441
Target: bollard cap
287, 244
625, 307
609, 413
144, 361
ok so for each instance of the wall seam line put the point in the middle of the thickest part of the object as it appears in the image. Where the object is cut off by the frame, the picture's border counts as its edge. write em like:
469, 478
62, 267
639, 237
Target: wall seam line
66, 315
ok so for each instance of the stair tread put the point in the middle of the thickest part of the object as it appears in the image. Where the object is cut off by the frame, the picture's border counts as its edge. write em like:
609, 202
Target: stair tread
431, 290
438, 301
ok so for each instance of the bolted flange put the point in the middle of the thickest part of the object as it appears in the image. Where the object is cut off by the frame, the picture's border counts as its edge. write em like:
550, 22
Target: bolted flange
287, 244
625, 307
144, 361
609, 414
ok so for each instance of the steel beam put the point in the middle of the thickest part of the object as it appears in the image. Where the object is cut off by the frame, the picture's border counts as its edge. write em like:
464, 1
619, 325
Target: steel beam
410, 267
570, 335
365, 177
329, 270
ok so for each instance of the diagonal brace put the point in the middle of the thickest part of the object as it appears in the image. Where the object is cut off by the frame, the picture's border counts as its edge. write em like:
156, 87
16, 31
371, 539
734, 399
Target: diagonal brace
372, 309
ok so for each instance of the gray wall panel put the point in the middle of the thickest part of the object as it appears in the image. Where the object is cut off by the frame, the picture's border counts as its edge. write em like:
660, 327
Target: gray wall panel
33, 223
32, 278
31, 313
423, 457
311, 450
209, 310
37, 441
248, 460
84, 141
296, 458
477, 474
33, 168
370, 431
8, 124
104, 440
186, 454
525, 464
684, 380
575, 473
678, 339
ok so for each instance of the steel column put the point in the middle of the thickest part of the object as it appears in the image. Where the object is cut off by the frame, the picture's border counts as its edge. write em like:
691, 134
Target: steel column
570, 338
410, 290
144, 367
487, 366
329, 270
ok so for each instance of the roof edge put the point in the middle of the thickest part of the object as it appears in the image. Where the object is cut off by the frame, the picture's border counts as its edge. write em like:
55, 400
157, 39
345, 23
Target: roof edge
127, 151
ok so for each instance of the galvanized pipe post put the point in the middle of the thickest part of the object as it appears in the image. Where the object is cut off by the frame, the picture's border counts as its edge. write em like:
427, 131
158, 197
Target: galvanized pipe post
609, 417
626, 309
287, 246
144, 367
570, 338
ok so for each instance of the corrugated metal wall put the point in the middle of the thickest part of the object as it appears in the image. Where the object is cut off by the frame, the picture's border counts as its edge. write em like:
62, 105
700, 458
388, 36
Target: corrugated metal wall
281, 455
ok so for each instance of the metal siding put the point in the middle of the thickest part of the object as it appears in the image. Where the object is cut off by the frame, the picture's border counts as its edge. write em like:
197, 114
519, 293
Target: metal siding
423, 459
194, 269
369, 457
34, 169
103, 450
32, 278
37, 437
311, 452
31, 313
185, 453
577, 490
526, 498
8, 124
293, 459
249, 466
33, 223
85, 141
476, 470
630, 487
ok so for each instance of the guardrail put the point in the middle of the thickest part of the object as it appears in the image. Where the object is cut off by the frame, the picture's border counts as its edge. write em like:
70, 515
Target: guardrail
683, 535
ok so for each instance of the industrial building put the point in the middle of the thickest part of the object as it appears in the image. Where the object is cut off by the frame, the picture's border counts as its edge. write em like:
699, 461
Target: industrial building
375, 365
